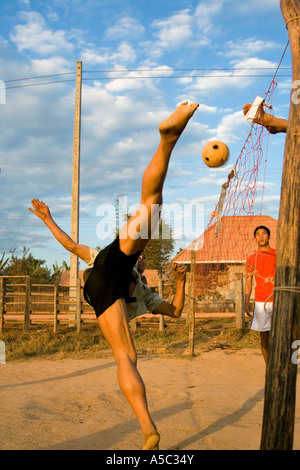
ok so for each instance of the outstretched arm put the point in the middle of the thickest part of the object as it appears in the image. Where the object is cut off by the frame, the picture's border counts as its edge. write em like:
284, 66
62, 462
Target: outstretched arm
42, 211
174, 309
270, 122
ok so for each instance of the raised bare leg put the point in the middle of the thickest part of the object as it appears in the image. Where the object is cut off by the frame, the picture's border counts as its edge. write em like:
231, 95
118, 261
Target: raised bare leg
153, 179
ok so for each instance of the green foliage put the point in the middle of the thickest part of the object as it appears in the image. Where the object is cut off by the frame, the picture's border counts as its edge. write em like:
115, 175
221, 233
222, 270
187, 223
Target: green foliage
27, 265
57, 271
3, 262
159, 250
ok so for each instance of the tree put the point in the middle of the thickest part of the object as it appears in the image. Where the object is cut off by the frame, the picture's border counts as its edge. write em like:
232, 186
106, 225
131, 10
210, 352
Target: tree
57, 271
158, 250
3, 262
27, 265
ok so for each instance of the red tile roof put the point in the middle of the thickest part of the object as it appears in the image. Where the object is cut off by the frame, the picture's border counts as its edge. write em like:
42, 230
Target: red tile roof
235, 241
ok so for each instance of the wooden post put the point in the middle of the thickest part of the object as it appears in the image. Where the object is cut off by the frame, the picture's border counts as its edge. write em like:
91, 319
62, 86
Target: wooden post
1, 303
189, 298
191, 312
78, 304
55, 308
27, 305
280, 390
75, 185
239, 302
133, 325
160, 293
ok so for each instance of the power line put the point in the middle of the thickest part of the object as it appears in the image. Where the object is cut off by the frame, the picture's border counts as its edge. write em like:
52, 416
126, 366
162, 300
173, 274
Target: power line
146, 78
39, 77
138, 77
146, 70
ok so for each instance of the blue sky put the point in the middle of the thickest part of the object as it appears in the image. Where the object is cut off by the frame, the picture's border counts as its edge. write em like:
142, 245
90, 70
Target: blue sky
140, 60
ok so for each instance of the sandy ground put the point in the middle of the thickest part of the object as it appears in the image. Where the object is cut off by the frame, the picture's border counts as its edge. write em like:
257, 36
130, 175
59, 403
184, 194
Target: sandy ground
213, 401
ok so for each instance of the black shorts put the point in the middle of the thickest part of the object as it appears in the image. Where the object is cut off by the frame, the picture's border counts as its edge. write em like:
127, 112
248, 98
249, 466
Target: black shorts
110, 277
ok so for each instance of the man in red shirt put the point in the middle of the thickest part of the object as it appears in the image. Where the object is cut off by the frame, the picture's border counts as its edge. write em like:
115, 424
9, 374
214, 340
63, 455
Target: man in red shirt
261, 266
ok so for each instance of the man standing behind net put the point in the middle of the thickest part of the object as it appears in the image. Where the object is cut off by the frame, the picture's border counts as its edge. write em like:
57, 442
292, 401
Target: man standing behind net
261, 266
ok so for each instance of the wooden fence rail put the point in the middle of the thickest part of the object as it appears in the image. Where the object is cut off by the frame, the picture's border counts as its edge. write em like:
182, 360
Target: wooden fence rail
26, 303
21, 301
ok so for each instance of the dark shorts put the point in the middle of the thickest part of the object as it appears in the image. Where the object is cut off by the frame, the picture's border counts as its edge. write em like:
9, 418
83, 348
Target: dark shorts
110, 277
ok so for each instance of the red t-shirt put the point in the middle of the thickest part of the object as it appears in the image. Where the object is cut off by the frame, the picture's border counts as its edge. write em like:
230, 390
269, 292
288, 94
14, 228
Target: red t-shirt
262, 264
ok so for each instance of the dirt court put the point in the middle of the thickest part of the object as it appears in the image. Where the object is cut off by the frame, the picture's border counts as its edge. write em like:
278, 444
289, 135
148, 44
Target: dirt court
213, 401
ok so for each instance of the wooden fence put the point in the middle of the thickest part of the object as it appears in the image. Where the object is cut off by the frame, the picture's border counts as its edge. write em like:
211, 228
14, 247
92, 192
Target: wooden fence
26, 303
21, 301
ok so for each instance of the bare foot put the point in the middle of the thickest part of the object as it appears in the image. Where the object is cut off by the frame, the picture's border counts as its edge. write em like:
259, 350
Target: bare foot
172, 127
151, 441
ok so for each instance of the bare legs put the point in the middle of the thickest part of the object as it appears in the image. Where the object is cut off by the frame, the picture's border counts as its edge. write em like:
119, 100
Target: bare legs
114, 325
264, 344
114, 322
153, 180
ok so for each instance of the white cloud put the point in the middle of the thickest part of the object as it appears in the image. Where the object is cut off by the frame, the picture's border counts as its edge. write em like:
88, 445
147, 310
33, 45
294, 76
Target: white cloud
230, 126
125, 27
53, 65
175, 30
240, 78
123, 54
248, 47
139, 79
205, 15
208, 109
254, 5
37, 38
185, 28
93, 56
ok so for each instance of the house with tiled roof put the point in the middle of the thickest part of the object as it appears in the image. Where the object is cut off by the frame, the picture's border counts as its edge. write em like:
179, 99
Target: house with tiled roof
225, 251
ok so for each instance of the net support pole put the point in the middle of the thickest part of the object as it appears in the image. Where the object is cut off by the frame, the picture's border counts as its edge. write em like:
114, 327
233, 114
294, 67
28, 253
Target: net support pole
239, 302
27, 304
160, 293
280, 390
191, 311
75, 191
1, 304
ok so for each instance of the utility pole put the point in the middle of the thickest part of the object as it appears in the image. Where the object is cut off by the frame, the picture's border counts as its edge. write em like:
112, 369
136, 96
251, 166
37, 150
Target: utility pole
75, 187
280, 390
191, 311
